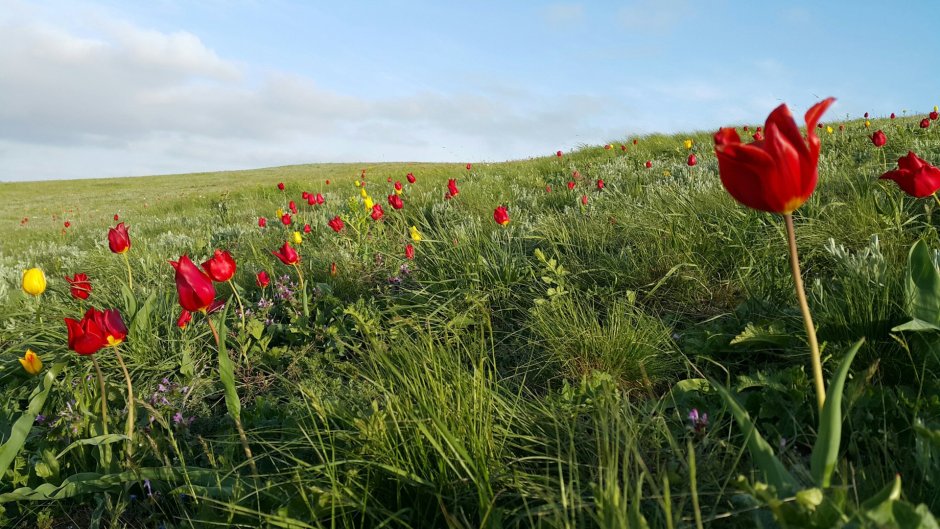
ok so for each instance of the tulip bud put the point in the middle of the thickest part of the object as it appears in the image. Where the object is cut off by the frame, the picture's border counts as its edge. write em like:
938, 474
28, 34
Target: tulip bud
893, 116
298, 239
307, 228
558, 154
692, 160
867, 123
571, 185
184, 319
415, 234
31, 362
924, 123
879, 139
262, 222
410, 177
262, 279
286, 219
469, 166
409, 251
501, 216
280, 186
600, 184
119, 241
649, 164
829, 130
584, 200
688, 144
934, 115
34, 281
336, 224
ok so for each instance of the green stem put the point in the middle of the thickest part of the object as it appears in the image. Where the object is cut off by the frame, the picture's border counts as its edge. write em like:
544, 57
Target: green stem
241, 308
807, 317
303, 290
935, 198
130, 277
104, 399
131, 407
694, 486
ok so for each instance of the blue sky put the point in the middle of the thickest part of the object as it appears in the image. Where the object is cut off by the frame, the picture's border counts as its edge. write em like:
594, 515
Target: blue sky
109, 88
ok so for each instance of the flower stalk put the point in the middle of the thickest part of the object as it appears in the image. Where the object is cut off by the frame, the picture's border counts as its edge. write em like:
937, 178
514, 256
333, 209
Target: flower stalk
815, 359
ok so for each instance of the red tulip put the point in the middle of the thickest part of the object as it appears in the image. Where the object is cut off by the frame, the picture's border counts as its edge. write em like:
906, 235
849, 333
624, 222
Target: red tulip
649, 164
879, 139
336, 224
558, 154
195, 289
377, 212
584, 200
68, 224
692, 160
327, 182
409, 251
548, 188
118, 239
777, 175
398, 186
79, 286
286, 219
333, 269
292, 207
452, 188
501, 216
623, 148
866, 115
600, 184
262, 279
112, 326
469, 166
184, 319
841, 128
115, 217
576, 174
95, 330
280, 186
635, 142
410, 177
395, 201
933, 115
262, 222
915, 176
924, 123
311, 200
220, 267
389, 180
304, 195
608, 147
758, 136
746, 128
892, 115
287, 254
307, 228
319, 199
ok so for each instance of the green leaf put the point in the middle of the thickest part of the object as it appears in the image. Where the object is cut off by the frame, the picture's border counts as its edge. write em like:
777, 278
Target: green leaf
227, 373
761, 452
141, 322
130, 302
91, 482
773, 335
826, 449
923, 285
22, 426
98, 440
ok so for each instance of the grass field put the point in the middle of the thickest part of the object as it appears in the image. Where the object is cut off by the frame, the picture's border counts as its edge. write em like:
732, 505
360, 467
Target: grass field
538, 374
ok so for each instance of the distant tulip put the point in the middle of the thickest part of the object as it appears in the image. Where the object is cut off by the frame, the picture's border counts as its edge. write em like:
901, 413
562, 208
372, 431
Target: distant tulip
933, 115
368, 203
584, 200
297, 238
395, 201
79, 286
304, 195
415, 234
687, 144
866, 115
363, 193
548, 188
410, 177
220, 267
879, 139
262, 222
116, 217
758, 136
841, 128
31, 362
559, 154
600, 184
262, 279
311, 200
915, 176
357, 183
293, 207
307, 228
333, 269
778, 175
34, 281
118, 239
336, 224
377, 212
67, 224
571, 185
924, 123
184, 319
501, 216
194, 288
623, 148
746, 128
280, 186
469, 166
867, 124
692, 160
286, 219
398, 187
328, 182
287, 255
319, 199
409, 251
389, 180
279, 213
608, 147
452, 188
649, 163
893, 116
828, 130
636, 141
576, 174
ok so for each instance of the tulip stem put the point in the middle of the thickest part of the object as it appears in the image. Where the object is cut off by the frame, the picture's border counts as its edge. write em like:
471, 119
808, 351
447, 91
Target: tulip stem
303, 290
807, 317
131, 407
130, 278
104, 399
241, 308
935, 198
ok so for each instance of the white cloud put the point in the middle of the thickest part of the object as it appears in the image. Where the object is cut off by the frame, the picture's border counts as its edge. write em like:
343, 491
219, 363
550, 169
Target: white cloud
562, 15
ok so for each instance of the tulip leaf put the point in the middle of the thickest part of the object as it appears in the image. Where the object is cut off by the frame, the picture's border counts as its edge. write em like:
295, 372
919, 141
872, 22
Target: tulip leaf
130, 302
923, 290
98, 440
227, 373
91, 482
17, 438
760, 450
826, 450
141, 322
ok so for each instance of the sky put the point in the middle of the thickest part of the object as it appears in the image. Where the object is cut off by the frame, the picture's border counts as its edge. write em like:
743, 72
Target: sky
123, 88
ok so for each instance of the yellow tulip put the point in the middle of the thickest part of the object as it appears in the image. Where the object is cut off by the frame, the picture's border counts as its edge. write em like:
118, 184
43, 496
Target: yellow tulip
936, 108
34, 281
363, 193
688, 144
829, 129
415, 235
368, 203
397, 191
297, 238
357, 183
867, 123
279, 212
31, 362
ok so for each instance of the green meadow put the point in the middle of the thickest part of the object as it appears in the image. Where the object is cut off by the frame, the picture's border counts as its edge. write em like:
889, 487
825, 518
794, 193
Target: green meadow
538, 374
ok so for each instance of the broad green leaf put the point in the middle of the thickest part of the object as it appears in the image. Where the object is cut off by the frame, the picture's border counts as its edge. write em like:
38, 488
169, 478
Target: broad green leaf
141, 322
91, 482
923, 285
761, 452
98, 440
227, 372
826, 449
22, 426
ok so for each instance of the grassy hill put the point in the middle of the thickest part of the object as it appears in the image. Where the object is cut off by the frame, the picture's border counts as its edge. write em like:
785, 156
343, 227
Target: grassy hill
537, 374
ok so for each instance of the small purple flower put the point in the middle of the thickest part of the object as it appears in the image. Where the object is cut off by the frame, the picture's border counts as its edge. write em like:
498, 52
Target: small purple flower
177, 418
699, 421
40, 419
147, 486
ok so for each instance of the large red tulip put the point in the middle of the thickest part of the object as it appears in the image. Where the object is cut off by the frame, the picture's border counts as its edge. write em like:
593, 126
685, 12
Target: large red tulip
286, 254
85, 336
118, 239
111, 324
79, 286
221, 267
777, 174
194, 287
915, 176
